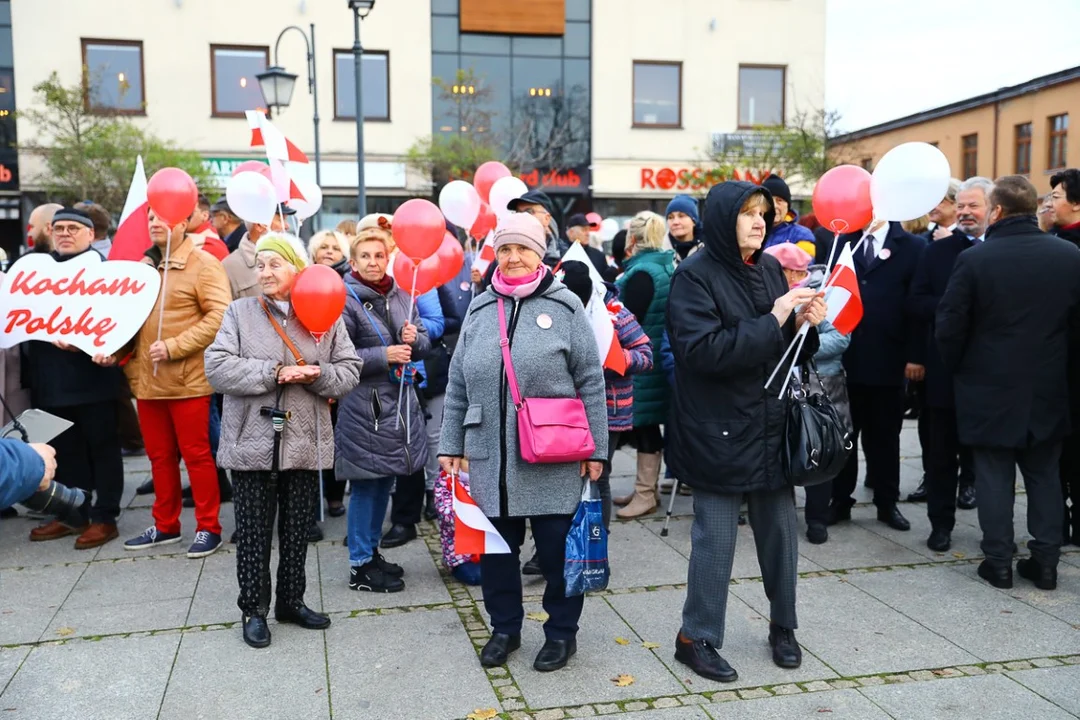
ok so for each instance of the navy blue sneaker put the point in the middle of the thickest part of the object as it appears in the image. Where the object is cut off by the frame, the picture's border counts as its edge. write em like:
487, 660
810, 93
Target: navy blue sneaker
151, 538
206, 543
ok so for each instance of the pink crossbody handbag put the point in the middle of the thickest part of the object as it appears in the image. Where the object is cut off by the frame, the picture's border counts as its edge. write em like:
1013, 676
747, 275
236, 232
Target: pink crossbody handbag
550, 430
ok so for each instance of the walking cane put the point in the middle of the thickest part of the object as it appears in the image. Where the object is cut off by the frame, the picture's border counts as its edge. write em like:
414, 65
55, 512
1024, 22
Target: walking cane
670, 507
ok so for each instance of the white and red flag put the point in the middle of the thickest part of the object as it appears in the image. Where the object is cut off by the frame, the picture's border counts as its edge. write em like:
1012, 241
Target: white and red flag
485, 257
601, 317
473, 532
265, 134
845, 307
132, 238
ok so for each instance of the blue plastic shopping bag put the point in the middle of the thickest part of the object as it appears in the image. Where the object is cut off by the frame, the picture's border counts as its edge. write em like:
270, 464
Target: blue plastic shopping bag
586, 566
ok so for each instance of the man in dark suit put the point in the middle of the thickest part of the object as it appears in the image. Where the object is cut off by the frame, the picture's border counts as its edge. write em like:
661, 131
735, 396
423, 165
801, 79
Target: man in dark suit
943, 453
882, 348
1003, 328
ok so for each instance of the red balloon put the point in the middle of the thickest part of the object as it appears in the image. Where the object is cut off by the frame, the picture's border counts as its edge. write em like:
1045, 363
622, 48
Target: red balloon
485, 222
253, 166
486, 175
451, 257
172, 195
427, 278
419, 227
318, 297
842, 199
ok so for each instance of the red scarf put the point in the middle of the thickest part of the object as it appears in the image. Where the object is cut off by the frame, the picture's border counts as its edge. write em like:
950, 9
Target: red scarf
382, 287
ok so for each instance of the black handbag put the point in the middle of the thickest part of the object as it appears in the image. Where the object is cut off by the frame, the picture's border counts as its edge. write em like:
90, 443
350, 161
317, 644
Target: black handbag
816, 438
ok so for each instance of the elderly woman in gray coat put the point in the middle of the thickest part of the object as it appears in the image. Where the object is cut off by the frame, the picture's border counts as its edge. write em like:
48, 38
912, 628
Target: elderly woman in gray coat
554, 355
275, 432
377, 439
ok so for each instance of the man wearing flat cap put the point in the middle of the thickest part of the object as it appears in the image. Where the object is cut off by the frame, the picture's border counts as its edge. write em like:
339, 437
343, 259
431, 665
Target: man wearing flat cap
538, 204
577, 229
65, 381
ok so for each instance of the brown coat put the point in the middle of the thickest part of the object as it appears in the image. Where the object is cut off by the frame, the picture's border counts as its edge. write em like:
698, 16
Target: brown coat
195, 302
240, 267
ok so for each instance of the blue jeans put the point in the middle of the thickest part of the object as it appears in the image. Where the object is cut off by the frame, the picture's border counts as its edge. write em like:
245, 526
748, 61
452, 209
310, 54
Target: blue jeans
367, 509
215, 425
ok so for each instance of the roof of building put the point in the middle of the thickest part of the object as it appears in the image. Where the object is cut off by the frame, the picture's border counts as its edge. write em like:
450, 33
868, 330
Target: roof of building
1005, 93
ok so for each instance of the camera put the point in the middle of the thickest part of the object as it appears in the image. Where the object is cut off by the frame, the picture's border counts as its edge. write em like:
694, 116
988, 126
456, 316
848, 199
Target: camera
70, 506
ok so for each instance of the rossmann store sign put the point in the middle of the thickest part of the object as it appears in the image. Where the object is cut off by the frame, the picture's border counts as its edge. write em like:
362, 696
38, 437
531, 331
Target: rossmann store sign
667, 178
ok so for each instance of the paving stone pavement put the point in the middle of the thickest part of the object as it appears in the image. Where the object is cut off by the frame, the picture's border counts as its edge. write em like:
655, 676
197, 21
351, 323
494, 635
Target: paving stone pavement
889, 629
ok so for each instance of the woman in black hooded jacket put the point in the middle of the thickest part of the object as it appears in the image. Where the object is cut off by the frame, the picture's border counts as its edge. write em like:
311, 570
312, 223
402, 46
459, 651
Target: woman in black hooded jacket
730, 318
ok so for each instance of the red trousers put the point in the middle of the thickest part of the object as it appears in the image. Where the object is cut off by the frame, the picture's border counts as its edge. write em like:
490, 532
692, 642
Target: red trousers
173, 429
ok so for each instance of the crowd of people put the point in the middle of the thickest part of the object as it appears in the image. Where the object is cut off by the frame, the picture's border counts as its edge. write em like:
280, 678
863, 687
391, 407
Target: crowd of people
972, 318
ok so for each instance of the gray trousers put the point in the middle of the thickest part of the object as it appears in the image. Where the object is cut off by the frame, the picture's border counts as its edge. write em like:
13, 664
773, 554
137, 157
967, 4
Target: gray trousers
712, 552
995, 486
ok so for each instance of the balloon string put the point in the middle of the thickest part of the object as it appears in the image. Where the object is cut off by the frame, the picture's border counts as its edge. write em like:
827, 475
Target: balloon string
164, 294
401, 386
318, 441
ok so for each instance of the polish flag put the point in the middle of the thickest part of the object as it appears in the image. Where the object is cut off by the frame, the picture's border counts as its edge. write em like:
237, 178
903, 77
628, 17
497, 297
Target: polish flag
284, 185
473, 532
132, 238
601, 317
265, 134
485, 257
842, 294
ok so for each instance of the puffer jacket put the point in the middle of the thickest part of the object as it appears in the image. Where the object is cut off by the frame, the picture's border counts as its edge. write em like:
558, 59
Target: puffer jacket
725, 428
371, 439
242, 365
789, 231
195, 298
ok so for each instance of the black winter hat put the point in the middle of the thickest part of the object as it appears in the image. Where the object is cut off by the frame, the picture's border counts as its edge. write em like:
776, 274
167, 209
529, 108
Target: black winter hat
776, 185
575, 276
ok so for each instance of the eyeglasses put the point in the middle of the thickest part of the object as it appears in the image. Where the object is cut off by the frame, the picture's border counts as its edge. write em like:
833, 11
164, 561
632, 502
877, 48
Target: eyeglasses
67, 229
535, 211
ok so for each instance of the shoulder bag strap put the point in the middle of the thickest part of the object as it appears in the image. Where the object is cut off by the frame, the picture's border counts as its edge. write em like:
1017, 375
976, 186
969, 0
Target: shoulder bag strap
281, 332
508, 363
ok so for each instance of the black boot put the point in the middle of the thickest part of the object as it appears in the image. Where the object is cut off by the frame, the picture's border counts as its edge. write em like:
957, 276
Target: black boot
1044, 577
256, 631
999, 577
940, 540
786, 652
429, 505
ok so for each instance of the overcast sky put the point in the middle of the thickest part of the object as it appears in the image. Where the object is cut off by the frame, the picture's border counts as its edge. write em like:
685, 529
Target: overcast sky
885, 59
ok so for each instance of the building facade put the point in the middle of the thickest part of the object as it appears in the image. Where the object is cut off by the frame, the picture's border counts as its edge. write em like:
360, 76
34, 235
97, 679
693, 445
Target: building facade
610, 105
1017, 130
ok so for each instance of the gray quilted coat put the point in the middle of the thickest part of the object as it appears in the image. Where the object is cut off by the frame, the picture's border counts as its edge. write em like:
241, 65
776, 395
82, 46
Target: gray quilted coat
241, 364
370, 438
554, 356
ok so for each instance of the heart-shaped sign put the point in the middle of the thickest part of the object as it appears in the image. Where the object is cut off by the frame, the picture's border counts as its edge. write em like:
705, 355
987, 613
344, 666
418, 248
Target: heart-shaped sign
85, 302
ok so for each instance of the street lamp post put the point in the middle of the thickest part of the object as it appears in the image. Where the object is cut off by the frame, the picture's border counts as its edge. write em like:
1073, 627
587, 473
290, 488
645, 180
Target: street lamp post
277, 88
361, 9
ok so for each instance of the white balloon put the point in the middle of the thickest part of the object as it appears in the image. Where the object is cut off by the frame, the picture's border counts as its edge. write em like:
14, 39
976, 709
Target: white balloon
503, 191
909, 181
609, 227
312, 201
251, 197
460, 203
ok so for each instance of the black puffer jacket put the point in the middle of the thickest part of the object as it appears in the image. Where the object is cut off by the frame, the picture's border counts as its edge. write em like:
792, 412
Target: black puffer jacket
725, 428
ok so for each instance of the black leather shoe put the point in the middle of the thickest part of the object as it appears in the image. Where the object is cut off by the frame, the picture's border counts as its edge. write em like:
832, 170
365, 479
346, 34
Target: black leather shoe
335, 510
965, 500
920, 493
398, 535
703, 659
498, 648
392, 569
303, 616
256, 631
786, 652
532, 567
554, 655
147, 488
314, 533
939, 540
1045, 578
999, 577
429, 505
839, 514
817, 533
891, 516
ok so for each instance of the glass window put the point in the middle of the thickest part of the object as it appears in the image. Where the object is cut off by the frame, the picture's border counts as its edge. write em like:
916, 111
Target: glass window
444, 111
657, 94
1059, 130
487, 44
761, 96
542, 124
7, 92
577, 9
376, 85
576, 39
444, 34
970, 149
444, 7
576, 81
6, 53
235, 87
545, 46
5, 12
487, 110
113, 74
1022, 159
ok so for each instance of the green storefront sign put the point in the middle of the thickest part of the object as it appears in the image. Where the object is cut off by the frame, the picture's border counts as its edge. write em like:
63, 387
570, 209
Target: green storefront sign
221, 169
